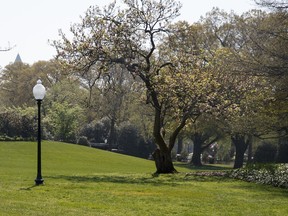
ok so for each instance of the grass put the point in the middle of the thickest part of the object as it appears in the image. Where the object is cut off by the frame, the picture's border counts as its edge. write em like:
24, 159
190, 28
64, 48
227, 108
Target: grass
84, 181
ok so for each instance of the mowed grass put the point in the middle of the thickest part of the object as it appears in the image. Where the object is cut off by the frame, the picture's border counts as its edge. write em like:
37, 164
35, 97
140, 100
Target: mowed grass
84, 181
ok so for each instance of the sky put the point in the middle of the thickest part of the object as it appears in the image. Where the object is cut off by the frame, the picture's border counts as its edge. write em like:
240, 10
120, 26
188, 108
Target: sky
28, 25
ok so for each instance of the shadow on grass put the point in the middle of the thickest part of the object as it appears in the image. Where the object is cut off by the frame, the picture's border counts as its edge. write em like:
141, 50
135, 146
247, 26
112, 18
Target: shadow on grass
31, 187
163, 179
120, 179
203, 167
174, 180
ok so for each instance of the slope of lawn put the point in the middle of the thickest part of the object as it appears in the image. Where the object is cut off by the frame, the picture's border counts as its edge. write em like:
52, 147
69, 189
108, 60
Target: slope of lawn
84, 181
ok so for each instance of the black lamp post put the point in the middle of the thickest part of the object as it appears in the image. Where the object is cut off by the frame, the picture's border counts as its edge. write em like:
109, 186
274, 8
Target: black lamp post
39, 93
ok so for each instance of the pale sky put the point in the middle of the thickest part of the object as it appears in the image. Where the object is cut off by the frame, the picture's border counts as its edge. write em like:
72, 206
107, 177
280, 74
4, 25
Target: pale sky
29, 24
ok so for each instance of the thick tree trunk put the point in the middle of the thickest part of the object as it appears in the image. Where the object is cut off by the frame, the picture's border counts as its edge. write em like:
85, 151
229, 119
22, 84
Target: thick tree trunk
162, 155
180, 144
239, 158
163, 162
196, 158
197, 143
241, 143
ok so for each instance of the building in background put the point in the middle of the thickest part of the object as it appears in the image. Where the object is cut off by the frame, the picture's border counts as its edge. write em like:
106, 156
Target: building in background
18, 59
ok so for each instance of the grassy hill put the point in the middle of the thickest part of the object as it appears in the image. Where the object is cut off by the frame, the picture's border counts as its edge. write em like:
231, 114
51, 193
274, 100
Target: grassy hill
62, 158
84, 181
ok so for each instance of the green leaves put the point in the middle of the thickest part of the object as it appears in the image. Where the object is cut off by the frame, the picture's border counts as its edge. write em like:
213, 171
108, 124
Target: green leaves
63, 121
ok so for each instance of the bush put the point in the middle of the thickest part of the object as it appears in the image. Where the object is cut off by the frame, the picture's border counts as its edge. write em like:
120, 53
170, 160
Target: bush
83, 141
17, 122
270, 174
132, 142
6, 138
265, 153
63, 121
282, 156
97, 131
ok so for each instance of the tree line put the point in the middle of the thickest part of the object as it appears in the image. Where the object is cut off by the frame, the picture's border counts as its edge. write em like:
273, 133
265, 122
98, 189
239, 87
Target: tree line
134, 77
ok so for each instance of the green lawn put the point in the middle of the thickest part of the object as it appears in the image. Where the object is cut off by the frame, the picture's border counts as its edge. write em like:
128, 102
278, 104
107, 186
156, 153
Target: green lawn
84, 181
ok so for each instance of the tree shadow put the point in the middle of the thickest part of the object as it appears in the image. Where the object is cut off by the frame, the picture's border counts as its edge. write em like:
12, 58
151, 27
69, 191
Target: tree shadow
169, 180
203, 167
119, 179
161, 179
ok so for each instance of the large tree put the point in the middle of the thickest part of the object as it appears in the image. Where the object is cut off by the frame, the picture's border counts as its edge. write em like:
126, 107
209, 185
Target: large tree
129, 37
115, 90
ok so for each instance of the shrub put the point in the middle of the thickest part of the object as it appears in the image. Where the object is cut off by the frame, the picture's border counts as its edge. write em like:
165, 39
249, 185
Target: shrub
282, 156
17, 122
83, 141
265, 153
6, 138
270, 174
132, 142
63, 121
96, 131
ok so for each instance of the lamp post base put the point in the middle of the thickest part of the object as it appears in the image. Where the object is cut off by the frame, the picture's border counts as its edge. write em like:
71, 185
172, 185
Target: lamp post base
39, 181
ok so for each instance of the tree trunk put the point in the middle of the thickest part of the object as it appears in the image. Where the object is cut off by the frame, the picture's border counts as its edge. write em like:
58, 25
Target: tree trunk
112, 134
239, 158
163, 162
196, 158
241, 143
250, 152
180, 144
197, 143
162, 155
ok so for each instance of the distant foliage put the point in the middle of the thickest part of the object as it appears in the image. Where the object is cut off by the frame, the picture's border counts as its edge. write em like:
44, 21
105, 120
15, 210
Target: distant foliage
282, 156
63, 121
132, 142
18, 124
96, 131
83, 141
265, 153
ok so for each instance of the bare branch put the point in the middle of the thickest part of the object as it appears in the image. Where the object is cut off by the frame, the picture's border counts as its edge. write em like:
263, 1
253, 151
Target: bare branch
8, 48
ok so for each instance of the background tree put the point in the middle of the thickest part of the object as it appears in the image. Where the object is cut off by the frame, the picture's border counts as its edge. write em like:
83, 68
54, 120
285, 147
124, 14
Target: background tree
132, 142
16, 79
203, 132
17, 123
64, 121
249, 117
203, 82
251, 94
96, 131
263, 54
19, 78
114, 99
